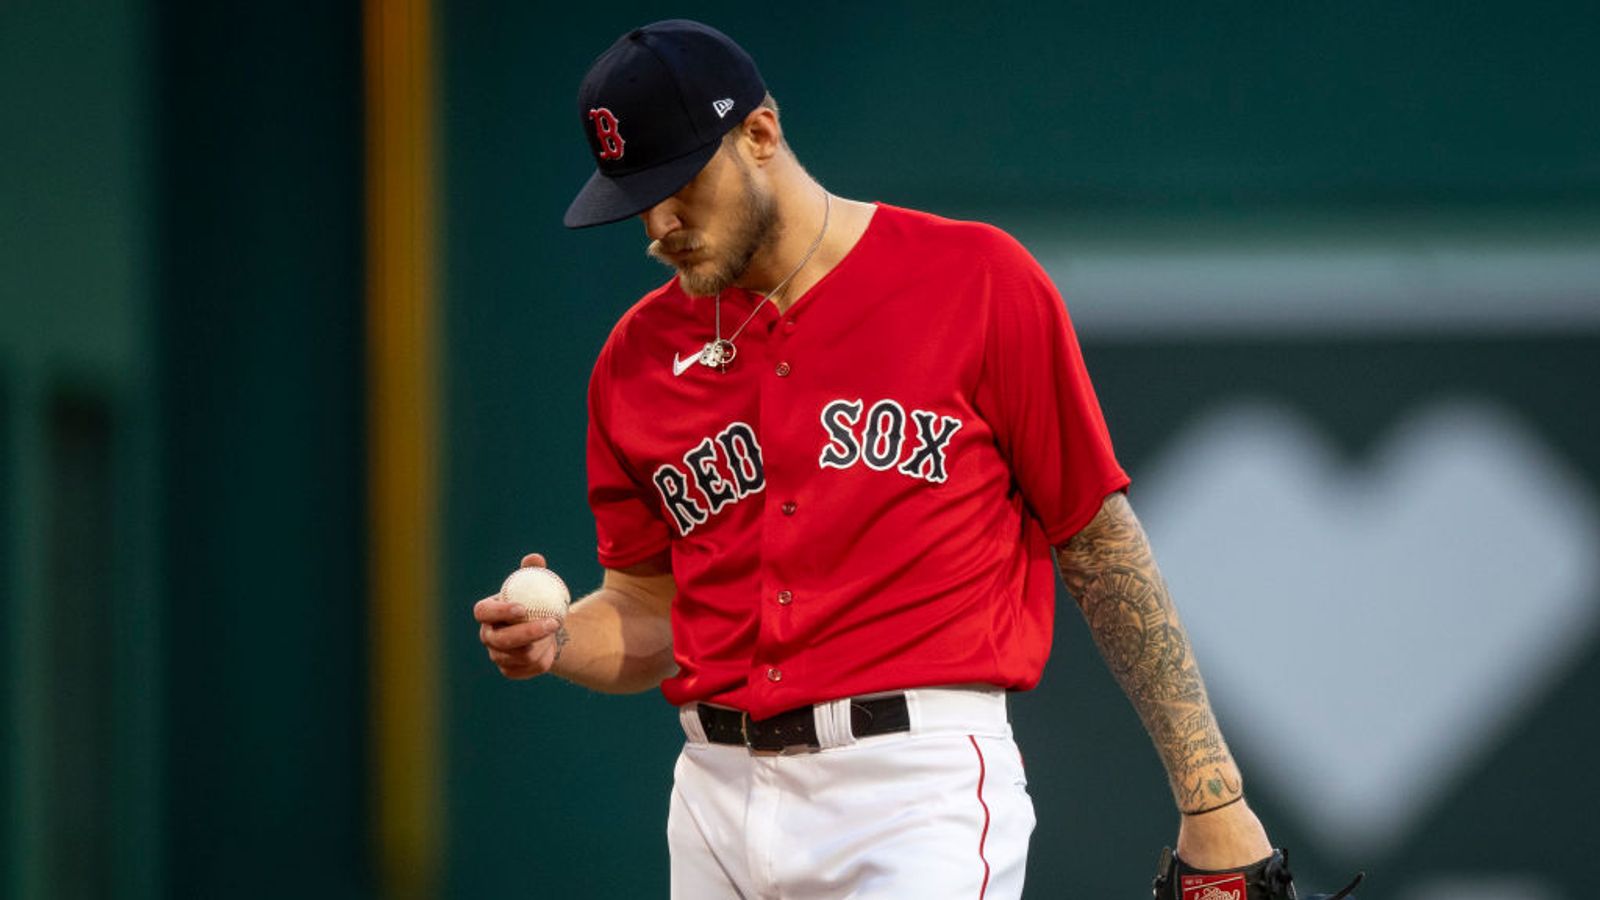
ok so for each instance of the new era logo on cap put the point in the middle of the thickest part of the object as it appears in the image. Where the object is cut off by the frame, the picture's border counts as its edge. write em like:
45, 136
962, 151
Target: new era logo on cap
654, 108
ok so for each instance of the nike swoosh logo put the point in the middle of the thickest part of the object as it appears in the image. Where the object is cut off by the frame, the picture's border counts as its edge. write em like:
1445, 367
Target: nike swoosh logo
680, 366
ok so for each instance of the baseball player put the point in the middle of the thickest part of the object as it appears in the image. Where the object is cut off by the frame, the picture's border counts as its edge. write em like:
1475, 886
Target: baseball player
835, 463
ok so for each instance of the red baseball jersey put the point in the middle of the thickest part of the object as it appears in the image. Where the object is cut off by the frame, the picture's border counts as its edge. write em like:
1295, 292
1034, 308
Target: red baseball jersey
866, 499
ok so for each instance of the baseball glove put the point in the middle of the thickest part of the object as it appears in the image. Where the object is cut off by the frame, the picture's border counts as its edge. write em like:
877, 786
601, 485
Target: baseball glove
1268, 879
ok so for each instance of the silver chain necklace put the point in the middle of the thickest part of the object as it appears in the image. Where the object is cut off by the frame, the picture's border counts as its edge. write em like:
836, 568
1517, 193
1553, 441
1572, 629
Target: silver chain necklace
721, 351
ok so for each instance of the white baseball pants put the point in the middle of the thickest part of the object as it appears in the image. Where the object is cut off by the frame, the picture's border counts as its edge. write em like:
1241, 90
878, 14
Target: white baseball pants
940, 812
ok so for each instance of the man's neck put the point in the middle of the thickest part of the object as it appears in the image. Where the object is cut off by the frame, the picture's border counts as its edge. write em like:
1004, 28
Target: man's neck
803, 212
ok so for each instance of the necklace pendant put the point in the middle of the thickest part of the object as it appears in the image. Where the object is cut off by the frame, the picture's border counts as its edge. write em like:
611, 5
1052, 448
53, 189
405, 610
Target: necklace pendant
717, 354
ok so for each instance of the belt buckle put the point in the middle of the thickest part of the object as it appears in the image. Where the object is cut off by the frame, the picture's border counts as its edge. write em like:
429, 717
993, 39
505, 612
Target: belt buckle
749, 743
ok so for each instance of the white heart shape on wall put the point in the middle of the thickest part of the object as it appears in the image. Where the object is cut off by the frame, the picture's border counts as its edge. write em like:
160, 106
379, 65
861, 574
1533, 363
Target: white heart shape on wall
1368, 629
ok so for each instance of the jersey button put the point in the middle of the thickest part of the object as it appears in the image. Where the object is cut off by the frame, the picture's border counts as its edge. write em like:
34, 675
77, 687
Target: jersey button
774, 674
788, 325
785, 598
783, 369
789, 508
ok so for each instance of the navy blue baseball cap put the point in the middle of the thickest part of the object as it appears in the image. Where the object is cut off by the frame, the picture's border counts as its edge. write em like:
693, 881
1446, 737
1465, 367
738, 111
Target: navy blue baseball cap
654, 108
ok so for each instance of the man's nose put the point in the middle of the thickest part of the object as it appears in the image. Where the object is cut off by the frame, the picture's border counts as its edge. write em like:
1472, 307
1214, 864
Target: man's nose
660, 221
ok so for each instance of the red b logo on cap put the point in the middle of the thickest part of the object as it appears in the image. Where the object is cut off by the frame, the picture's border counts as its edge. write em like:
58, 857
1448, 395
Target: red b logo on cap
605, 128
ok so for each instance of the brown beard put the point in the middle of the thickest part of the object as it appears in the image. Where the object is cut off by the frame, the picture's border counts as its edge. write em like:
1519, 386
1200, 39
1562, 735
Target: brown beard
753, 225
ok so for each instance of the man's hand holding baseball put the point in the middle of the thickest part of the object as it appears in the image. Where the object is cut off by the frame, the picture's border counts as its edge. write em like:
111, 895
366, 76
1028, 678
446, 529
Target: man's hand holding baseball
519, 647
621, 633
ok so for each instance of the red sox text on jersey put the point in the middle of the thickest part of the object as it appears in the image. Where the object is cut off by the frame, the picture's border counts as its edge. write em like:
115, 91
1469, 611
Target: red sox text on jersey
728, 468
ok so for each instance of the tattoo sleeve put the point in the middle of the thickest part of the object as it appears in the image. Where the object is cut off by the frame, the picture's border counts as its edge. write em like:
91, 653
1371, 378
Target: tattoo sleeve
1112, 575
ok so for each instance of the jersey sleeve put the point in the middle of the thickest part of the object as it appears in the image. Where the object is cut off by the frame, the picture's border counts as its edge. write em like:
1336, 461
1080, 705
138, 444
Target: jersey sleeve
628, 527
1035, 392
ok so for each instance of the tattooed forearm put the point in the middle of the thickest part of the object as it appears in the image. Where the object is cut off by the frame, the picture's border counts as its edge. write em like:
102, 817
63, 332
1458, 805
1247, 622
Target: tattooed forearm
1111, 573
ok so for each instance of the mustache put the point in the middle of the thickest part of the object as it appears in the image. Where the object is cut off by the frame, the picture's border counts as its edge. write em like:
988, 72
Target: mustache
663, 249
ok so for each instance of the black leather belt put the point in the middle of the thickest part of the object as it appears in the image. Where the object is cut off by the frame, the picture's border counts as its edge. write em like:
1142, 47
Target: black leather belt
798, 727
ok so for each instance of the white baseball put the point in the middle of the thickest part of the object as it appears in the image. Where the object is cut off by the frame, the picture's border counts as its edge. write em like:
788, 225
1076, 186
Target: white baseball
540, 592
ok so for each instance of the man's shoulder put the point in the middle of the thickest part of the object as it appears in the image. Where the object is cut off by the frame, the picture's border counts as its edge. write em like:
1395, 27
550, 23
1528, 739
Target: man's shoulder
649, 316
662, 299
949, 236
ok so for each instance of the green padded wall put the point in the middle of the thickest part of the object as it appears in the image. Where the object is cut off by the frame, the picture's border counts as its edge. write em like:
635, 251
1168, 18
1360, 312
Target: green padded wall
260, 340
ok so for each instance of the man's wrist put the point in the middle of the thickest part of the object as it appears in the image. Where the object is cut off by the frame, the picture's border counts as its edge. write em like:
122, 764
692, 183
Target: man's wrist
562, 636
1209, 809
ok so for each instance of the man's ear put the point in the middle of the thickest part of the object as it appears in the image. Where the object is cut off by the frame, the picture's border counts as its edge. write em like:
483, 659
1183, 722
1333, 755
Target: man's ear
761, 129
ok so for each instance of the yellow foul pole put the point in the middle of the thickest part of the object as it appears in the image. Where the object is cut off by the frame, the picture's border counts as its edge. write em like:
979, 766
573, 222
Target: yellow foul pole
402, 436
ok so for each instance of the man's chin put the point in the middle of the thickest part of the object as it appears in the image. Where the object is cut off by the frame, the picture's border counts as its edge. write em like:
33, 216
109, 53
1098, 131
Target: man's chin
693, 292
700, 285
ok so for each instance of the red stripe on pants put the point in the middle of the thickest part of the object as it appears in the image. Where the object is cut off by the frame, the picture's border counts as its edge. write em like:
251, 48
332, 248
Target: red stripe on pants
982, 770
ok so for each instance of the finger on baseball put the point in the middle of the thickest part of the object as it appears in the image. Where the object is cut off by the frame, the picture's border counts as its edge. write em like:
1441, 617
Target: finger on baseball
517, 637
519, 670
524, 663
532, 560
526, 658
492, 610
